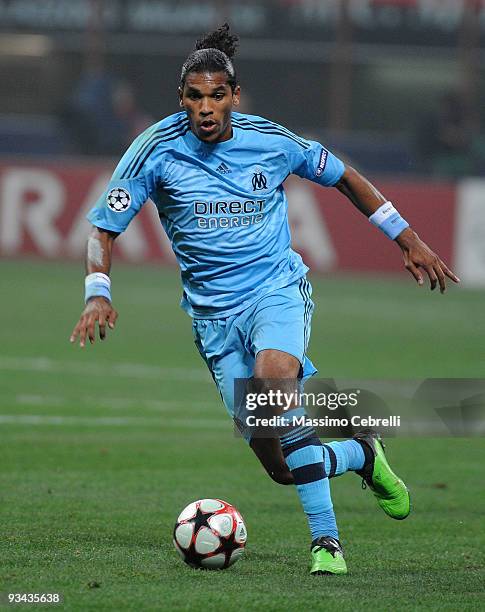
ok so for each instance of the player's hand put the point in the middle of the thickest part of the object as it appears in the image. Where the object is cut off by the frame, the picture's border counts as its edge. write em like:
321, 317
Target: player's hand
418, 256
98, 310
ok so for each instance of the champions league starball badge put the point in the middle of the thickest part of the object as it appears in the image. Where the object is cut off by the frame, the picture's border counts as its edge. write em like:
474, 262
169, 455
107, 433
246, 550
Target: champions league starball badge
118, 199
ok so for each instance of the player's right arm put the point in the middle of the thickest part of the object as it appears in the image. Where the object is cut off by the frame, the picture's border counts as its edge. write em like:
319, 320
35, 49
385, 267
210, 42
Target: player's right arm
131, 185
98, 310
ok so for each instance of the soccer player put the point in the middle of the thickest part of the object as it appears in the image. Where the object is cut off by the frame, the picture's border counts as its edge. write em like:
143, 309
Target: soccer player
216, 178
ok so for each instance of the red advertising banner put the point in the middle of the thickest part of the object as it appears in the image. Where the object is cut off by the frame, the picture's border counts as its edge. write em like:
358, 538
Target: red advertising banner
358, 245
43, 208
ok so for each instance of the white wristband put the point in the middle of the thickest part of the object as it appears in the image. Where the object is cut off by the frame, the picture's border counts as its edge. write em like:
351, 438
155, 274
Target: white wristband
388, 220
382, 213
97, 284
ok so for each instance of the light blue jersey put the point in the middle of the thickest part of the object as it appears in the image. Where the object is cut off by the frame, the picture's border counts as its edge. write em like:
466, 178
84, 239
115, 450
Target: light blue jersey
222, 205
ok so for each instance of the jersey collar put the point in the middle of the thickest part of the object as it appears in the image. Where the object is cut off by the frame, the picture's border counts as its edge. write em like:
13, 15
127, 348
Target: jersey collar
199, 145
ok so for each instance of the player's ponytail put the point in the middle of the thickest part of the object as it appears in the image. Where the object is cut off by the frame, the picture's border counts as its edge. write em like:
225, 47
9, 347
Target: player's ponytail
219, 39
213, 53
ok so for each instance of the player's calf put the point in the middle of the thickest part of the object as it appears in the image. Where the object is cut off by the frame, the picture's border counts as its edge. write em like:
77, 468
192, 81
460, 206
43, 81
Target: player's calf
269, 453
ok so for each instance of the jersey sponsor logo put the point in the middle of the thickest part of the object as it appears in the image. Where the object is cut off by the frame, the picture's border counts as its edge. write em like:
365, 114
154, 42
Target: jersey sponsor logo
223, 169
259, 181
236, 207
226, 215
118, 199
322, 163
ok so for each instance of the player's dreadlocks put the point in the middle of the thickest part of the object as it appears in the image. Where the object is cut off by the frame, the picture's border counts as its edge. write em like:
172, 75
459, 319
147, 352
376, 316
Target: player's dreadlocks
213, 53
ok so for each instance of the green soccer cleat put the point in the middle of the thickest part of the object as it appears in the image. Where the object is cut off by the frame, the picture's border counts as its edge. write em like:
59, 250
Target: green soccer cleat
327, 557
391, 492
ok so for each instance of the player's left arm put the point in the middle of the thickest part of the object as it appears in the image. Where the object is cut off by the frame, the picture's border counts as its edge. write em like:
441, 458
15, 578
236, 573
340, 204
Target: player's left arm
417, 254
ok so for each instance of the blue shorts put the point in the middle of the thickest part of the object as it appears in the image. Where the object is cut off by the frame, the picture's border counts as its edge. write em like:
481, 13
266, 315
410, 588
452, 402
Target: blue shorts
280, 320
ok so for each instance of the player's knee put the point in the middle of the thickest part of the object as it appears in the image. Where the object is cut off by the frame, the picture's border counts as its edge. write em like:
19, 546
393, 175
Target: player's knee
282, 371
274, 364
265, 386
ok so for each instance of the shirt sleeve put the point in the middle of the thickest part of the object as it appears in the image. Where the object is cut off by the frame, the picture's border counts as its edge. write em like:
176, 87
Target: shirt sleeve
124, 195
313, 161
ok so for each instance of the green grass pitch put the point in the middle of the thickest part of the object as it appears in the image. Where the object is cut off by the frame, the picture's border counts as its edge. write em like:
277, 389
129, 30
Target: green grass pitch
100, 449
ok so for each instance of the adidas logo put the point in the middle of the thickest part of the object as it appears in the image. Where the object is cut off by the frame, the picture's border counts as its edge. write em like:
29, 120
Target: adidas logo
223, 169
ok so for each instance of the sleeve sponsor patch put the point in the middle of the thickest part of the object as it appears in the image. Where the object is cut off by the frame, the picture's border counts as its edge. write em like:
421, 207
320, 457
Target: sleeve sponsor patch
118, 199
322, 163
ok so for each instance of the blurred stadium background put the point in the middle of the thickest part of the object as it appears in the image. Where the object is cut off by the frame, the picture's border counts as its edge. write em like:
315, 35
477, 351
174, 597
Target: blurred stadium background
396, 87
102, 448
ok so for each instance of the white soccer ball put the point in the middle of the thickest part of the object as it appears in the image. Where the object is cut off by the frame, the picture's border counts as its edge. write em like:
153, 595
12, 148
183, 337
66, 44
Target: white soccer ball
210, 534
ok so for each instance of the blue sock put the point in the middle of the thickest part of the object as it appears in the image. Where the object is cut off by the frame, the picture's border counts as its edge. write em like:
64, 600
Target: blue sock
340, 457
303, 454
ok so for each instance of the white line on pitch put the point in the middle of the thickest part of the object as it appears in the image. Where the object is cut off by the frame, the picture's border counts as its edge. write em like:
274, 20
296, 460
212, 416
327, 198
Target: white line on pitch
37, 419
116, 403
125, 370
